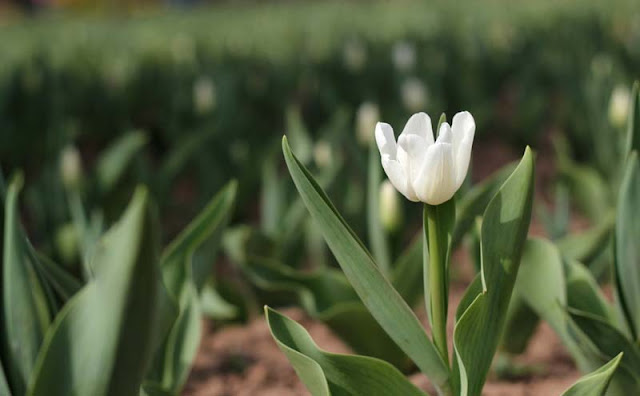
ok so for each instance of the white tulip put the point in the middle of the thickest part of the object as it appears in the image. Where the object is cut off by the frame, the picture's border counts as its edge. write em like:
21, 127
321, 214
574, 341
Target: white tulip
204, 95
619, 106
70, 167
422, 169
367, 117
403, 55
415, 94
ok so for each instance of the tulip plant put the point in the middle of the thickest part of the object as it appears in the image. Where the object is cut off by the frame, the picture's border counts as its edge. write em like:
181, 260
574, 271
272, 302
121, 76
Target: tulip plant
431, 171
129, 326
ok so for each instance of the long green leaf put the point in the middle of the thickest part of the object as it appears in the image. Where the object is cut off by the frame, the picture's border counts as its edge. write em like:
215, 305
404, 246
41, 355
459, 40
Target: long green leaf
186, 264
627, 246
585, 246
26, 313
327, 374
100, 343
113, 163
633, 123
4, 385
597, 382
504, 230
327, 296
384, 303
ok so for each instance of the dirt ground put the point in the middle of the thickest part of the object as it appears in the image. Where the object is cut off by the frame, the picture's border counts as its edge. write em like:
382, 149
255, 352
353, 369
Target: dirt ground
243, 360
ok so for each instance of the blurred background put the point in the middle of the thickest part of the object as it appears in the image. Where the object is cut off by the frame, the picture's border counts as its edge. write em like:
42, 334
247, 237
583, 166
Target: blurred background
185, 95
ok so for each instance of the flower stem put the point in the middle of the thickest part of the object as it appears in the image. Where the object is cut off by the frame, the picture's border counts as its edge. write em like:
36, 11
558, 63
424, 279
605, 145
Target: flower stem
438, 227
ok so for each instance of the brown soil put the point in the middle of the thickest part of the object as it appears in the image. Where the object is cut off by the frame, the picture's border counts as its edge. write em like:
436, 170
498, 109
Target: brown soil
243, 360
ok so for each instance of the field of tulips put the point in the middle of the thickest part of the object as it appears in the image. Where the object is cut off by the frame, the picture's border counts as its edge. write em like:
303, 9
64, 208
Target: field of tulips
326, 198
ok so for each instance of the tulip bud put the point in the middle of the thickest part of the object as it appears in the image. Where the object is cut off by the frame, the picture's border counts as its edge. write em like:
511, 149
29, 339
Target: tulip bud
423, 169
414, 94
70, 167
619, 106
390, 211
403, 55
367, 117
204, 95
322, 154
66, 240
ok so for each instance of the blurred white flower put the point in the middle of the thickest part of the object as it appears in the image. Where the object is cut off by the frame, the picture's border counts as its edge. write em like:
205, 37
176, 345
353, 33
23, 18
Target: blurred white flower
322, 154
355, 55
619, 106
390, 211
367, 117
403, 55
414, 94
204, 95
424, 170
70, 167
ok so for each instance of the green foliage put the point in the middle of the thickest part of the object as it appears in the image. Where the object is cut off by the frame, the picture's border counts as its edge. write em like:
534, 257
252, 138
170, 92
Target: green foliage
595, 383
327, 374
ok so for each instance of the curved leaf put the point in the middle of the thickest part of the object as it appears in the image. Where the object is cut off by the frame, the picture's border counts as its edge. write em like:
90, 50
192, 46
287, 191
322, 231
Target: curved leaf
114, 161
327, 296
627, 248
585, 246
100, 343
504, 230
377, 294
597, 382
327, 374
26, 310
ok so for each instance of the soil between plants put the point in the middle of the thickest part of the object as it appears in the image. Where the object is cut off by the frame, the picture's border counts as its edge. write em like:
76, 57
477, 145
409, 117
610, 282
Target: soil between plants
244, 360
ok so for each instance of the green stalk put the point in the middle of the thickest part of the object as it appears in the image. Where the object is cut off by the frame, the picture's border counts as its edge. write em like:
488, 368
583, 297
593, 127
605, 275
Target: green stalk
438, 228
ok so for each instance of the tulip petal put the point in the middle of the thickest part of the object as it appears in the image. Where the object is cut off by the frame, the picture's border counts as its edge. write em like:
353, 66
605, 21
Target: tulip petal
385, 140
419, 124
397, 176
444, 135
464, 128
435, 183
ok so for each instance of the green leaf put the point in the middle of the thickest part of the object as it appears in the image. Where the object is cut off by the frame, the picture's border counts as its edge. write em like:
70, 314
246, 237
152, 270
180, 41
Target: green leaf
213, 305
583, 292
377, 294
588, 189
475, 201
504, 230
587, 245
100, 343
541, 284
609, 342
327, 374
633, 123
116, 158
63, 283
326, 295
186, 264
26, 312
406, 276
627, 248
4, 385
597, 382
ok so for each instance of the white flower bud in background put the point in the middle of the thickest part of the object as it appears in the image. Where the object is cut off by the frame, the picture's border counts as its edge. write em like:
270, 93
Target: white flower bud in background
403, 55
424, 170
367, 117
70, 167
414, 94
204, 95
66, 240
619, 106
322, 154
390, 210
355, 55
